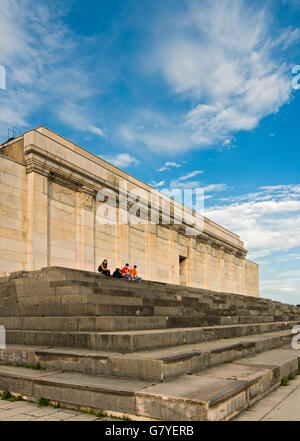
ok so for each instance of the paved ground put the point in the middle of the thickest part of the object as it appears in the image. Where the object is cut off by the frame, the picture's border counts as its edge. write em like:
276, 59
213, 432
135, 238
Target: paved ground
281, 405
26, 411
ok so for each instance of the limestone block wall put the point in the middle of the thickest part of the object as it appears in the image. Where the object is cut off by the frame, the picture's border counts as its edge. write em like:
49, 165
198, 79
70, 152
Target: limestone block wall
62, 226
12, 216
251, 278
49, 216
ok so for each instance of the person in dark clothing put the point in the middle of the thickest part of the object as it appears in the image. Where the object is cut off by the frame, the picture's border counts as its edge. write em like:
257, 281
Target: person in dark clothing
117, 274
103, 268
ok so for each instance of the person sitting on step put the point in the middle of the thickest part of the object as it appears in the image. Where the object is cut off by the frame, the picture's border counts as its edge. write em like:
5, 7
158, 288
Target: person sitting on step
117, 274
134, 274
126, 272
103, 268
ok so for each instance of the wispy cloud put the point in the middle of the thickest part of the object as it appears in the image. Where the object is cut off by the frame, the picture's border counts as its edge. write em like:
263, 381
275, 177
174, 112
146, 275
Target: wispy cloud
123, 160
168, 166
285, 290
155, 132
157, 184
186, 182
75, 116
215, 188
44, 70
227, 56
267, 220
190, 175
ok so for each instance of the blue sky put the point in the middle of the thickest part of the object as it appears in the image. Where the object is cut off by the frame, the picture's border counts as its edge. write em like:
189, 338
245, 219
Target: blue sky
179, 94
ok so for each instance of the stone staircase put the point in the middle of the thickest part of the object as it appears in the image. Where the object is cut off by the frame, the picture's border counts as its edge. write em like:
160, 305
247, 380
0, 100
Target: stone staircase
151, 349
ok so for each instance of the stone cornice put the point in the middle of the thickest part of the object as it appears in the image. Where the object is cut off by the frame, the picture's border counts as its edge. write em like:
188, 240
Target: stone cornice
219, 243
69, 175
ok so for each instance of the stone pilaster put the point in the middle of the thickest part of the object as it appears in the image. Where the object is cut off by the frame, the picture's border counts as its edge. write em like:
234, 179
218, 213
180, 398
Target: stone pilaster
88, 231
37, 220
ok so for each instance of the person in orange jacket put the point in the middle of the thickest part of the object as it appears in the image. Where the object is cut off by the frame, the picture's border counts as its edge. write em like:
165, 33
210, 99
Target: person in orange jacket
134, 274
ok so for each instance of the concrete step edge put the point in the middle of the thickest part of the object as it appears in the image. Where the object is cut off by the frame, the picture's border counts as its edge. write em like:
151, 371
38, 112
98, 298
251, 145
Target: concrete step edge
203, 396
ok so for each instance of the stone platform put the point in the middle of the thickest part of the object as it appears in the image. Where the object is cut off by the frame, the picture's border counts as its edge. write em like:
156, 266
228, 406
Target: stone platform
151, 350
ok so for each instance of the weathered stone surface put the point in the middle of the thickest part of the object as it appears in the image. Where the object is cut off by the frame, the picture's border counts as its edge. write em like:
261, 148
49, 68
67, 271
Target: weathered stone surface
49, 214
155, 350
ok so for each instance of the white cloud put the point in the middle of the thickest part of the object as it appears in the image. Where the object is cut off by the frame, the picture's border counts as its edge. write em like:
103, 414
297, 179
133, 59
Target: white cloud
191, 175
286, 290
268, 220
123, 160
74, 116
227, 57
177, 183
215, 187
158, 138
154, 131
40, 55
184, 182
168, 166
290, 257
172, 164
157, 184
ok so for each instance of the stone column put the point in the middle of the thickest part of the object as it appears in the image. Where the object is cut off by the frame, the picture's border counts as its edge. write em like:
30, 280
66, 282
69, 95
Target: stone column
150, 246
241, 275
207, 264
174, 258
85, 234
232, 271
221, 269
123, 237
37, 218
191, 262
88, 230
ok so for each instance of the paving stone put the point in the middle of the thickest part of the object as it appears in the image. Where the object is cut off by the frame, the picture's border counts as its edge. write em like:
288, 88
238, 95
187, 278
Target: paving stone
6, 405
20, 417
39, 412
12, 412
280, 405
47, 418
283, 415
82, 417
63, 415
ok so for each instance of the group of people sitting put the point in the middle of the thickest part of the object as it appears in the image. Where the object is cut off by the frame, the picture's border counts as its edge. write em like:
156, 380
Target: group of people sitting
125, 273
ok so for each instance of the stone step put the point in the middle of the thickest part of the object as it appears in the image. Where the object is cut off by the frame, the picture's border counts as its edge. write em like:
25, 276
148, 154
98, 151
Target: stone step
234, 320
123, 323
78, 309
158, 365
23, 282
66, 285
215, 394
130, 341
149, 296
91, 305
138, 340
86, 294
85, 302
102, 323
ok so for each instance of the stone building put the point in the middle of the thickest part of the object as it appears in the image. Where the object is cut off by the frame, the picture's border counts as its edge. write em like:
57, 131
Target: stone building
48, 217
